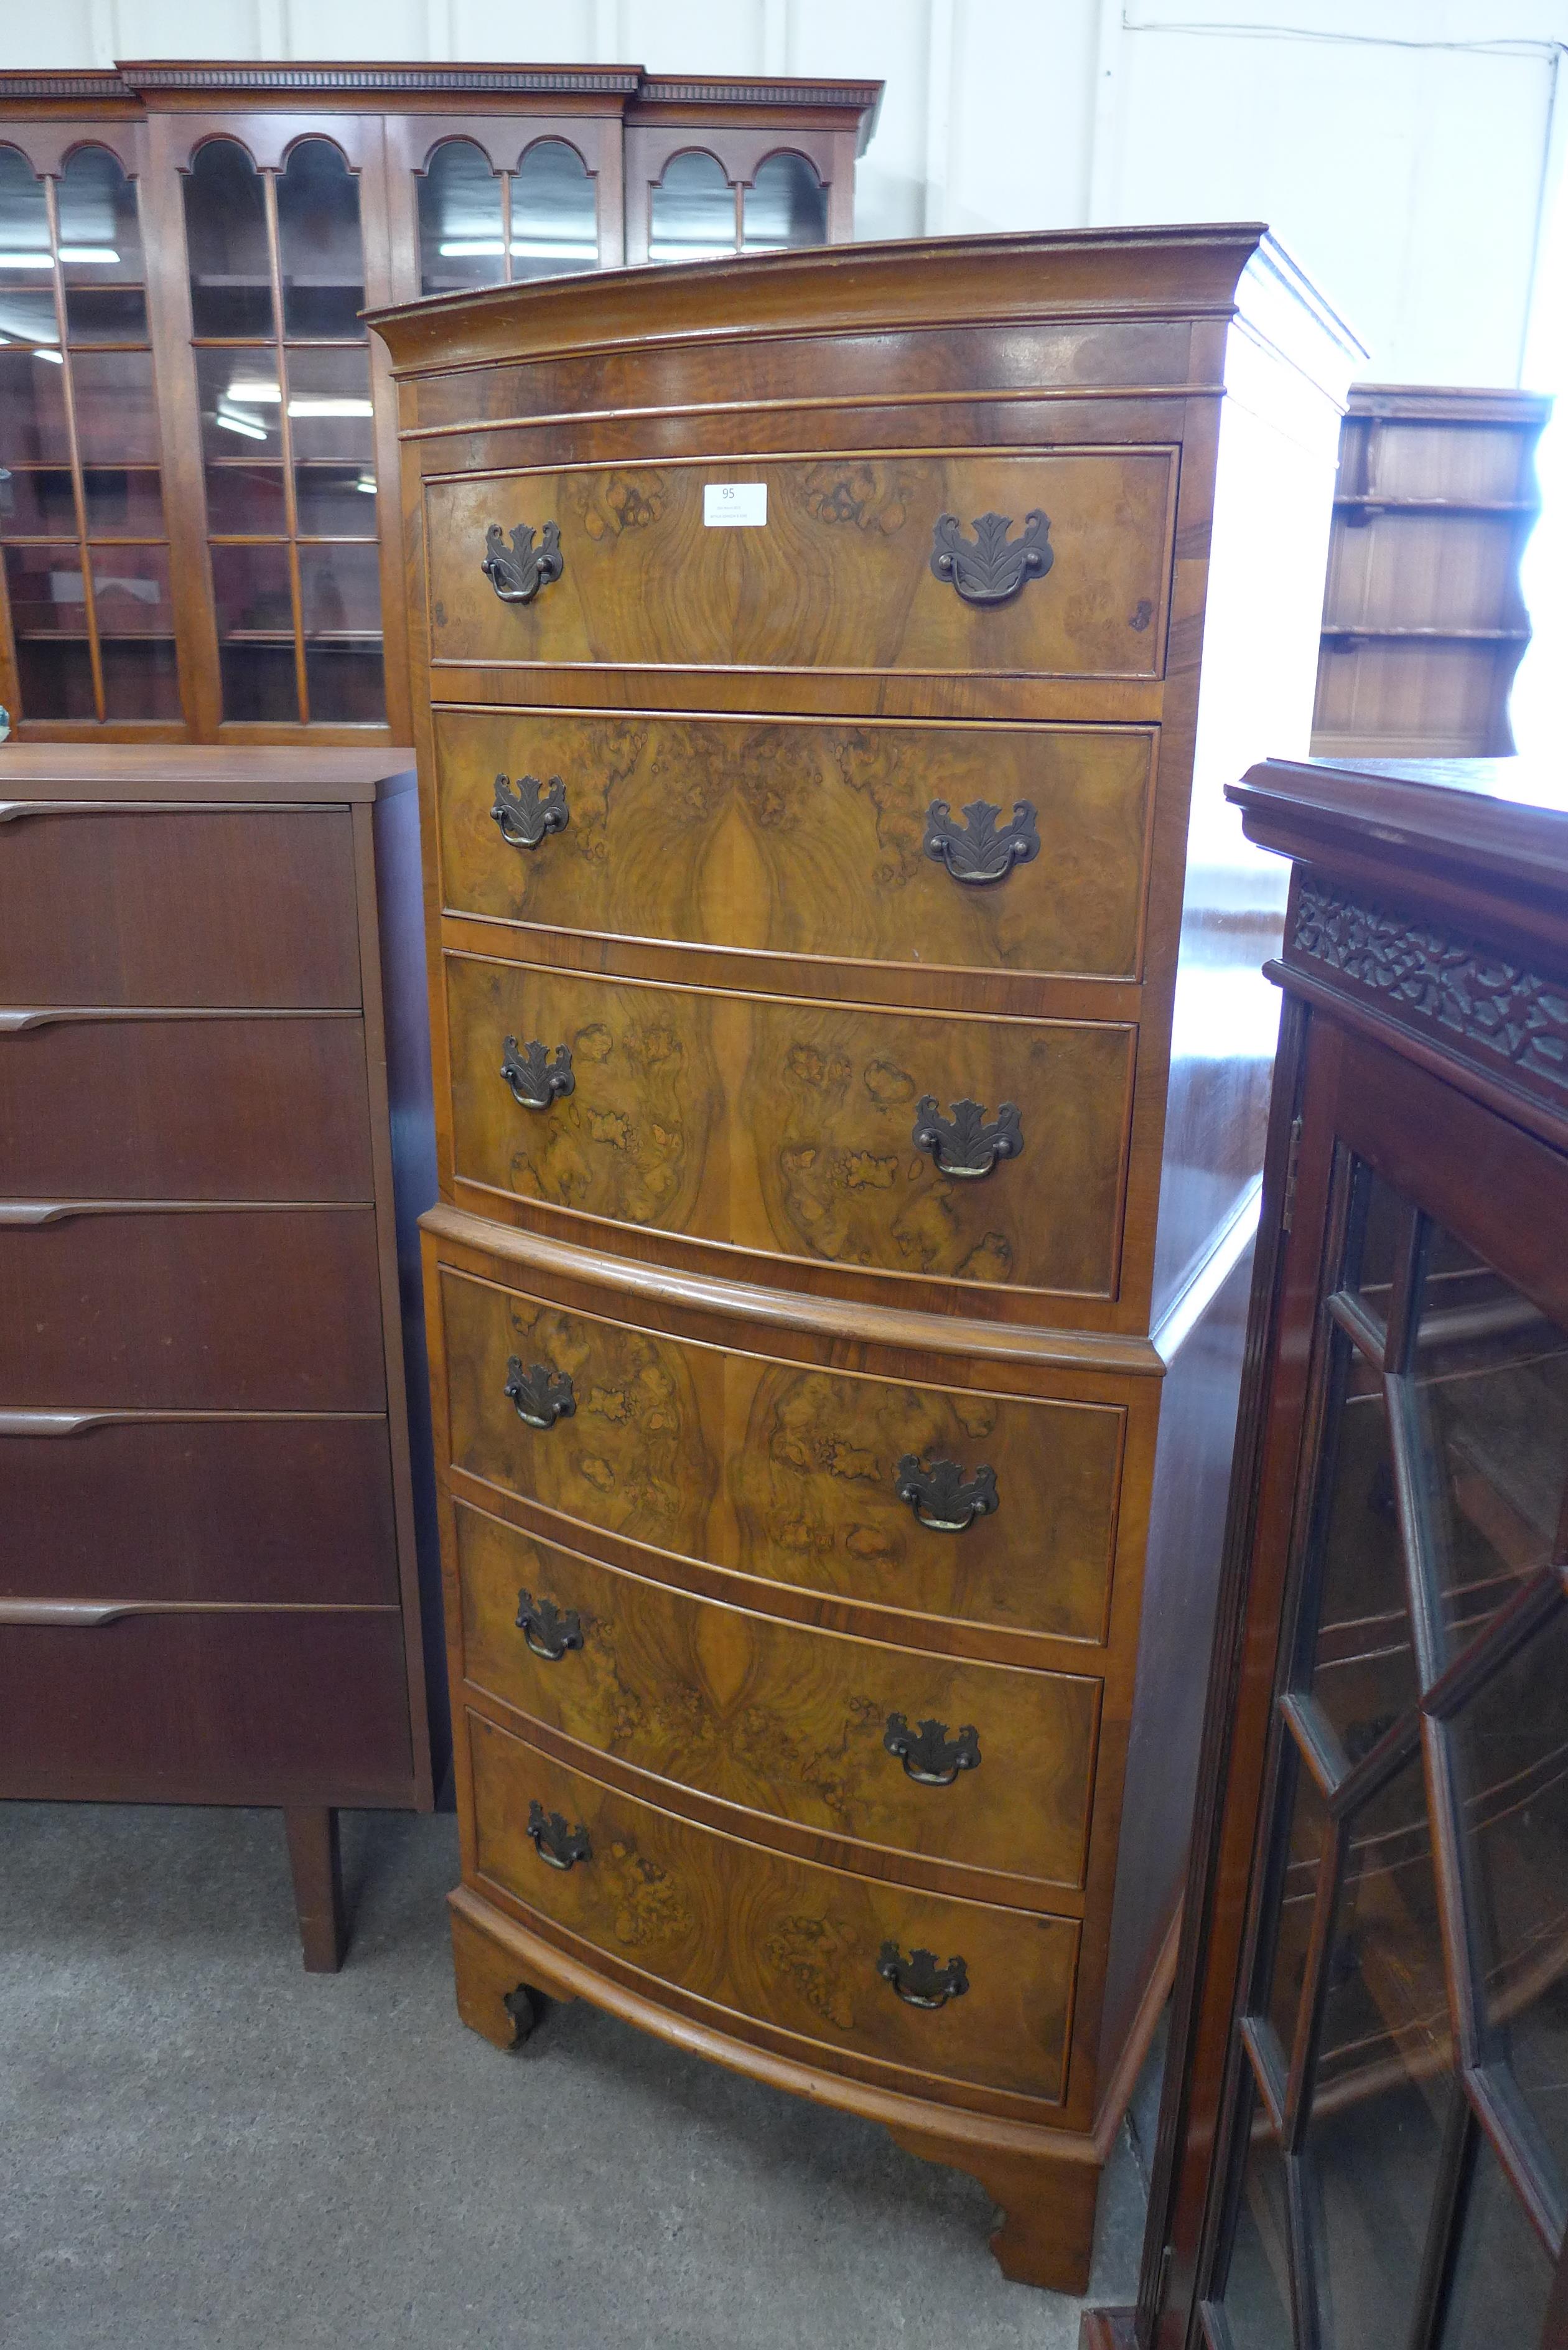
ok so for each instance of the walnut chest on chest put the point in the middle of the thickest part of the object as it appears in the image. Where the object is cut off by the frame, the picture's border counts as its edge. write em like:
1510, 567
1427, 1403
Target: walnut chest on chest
851, 1076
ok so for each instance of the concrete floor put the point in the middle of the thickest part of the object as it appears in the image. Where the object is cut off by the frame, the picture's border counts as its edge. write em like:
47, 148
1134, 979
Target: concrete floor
201, 2145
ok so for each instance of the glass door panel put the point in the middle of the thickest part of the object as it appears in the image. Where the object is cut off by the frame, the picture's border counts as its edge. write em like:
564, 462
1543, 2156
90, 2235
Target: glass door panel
555, 214
79, 447
462, 226
693, 214
785, 205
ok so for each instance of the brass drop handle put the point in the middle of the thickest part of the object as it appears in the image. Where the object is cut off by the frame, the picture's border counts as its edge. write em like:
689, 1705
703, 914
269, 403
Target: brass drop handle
518, 576
547, 1630
526, 812
980, 850
557, 1845
968, 1145
942, 1497
541, 1395
993, 567
919, 1980
535, 1077
929, 1755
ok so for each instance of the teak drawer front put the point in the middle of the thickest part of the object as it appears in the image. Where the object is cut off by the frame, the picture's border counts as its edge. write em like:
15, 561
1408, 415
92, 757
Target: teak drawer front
838, 578
273, 1108
786, 1940
791, 1474
222, 1309
781, 1718
786, 1127
805, 838
291, 1511
257, 1708
191, 905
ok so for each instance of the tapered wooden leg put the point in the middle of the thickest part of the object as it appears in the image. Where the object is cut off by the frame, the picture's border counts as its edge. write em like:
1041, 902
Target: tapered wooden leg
1047, 2232
317, 1870
493, 1998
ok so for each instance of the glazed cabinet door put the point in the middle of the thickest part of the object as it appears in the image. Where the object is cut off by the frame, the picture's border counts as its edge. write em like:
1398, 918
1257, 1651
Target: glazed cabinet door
1398, 2134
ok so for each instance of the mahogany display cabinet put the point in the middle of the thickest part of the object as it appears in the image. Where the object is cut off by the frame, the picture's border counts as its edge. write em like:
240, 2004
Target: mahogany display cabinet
826, 668
194, 426
1363, 2139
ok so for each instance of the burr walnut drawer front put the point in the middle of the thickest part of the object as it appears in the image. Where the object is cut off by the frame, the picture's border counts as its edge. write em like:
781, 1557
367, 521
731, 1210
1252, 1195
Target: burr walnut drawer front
853, 1963
177, 906
988, 1765
230, 1106
976, 1149
1016, 848
935, 1501
224, 1309
957, 563
211, 1507
258, 1707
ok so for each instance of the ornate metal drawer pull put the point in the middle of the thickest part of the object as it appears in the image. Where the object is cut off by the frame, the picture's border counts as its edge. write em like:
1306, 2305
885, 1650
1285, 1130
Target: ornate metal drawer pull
517, 577
980, 850
995, 566
942, 1497
967, 1145
525, 813
929, 1755
919, 1980
557, 1845
550, 1630
535, 1077
541, 1395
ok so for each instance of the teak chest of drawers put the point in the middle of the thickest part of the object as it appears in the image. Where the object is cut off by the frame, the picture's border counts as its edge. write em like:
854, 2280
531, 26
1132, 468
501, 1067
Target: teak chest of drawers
208, 1583
850, 1079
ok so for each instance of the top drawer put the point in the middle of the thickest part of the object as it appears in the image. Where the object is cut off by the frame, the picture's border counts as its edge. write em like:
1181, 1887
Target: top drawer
838, 578
114, 905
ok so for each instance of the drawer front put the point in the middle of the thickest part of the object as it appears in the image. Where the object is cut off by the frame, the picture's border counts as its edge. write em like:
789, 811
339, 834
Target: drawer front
804, 838
785, 1941
259, 1310
787, 1128
185, 1110
191, 905
283, 1510
257, 1708
793, 1474
782, 1719
840, 575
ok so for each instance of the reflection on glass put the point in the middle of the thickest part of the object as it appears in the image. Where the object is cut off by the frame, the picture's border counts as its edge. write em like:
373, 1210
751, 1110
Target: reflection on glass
136, 631
335, 501
100, 251
347, 682
1308, 1831
1385, 2014
36, 502
255, 632
1257, 2294
1365, 1672
1512, 1741
693, 210
239, 397
123, 501
461, 228
1503, 2277
331, 420
117, 409
1372, 2173
24, 217
319, 250
32, 410
340, 594
225, 236
785, 205
1490, 1378
49, 617
554, 226
1379, 1225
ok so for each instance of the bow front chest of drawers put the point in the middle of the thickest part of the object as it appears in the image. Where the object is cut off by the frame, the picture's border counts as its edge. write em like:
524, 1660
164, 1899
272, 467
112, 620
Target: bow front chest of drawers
851, 1079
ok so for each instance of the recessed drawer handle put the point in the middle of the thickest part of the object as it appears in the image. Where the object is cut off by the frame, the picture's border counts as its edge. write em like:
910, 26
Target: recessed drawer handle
929, 1755
547, 1630
517, 577
969, 1144
536, 1076
995, 568
942, 1497
557, 1845
919, 1980
980, 850
541, 1395
526, 811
